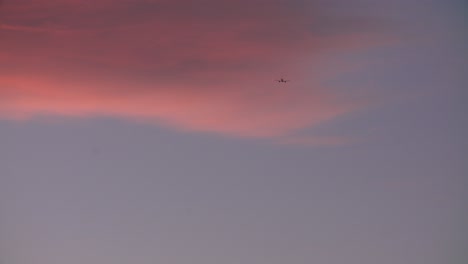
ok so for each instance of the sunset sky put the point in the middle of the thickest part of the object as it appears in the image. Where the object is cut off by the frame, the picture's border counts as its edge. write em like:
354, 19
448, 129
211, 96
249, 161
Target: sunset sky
154, 131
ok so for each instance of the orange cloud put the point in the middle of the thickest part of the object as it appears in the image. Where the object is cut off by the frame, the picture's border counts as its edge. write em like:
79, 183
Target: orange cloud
207, 67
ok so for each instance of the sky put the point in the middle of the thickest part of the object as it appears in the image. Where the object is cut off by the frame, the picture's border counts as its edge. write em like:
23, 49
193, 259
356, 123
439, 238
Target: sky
154, 131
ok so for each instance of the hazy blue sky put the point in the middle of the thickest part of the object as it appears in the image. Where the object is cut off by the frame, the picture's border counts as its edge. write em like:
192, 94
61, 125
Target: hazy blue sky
153, 131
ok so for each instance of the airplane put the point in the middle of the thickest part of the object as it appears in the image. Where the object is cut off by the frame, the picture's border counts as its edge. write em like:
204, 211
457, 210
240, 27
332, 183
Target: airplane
282, 80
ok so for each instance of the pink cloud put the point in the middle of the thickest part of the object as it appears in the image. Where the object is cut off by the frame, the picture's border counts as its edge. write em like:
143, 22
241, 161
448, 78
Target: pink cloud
204, 68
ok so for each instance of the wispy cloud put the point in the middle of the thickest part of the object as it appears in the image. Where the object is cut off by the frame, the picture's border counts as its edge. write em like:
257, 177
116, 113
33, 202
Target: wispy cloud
207, 67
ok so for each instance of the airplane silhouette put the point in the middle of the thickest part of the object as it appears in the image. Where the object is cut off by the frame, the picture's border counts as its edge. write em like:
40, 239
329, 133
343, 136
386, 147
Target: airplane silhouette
282, 80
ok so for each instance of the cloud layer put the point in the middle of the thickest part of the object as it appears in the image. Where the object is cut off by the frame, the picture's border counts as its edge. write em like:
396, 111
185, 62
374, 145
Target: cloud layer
203, 65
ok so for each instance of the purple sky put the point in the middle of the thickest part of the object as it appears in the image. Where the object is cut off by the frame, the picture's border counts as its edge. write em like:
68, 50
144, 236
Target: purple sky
153, 131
